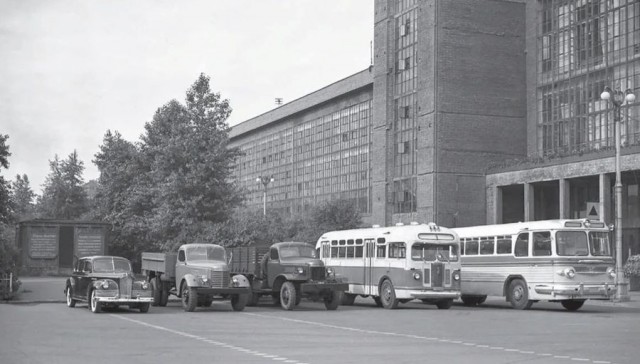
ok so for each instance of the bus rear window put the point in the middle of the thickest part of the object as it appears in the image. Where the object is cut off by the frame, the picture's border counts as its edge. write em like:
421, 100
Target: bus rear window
572, 243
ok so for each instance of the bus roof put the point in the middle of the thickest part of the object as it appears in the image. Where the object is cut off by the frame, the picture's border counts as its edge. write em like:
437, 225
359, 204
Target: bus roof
375, 232
514, 228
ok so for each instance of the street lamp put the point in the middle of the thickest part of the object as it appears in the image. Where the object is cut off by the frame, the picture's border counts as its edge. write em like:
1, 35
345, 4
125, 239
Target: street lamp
265, 180
618, 98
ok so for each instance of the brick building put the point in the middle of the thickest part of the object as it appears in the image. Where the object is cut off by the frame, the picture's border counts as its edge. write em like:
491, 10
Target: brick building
473, 112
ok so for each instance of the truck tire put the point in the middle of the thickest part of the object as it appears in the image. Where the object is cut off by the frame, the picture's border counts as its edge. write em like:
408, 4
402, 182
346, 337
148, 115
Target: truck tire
156, 291
189, 298
288, 296
144, 307
254, 297
238, 301
164, 294
332, 300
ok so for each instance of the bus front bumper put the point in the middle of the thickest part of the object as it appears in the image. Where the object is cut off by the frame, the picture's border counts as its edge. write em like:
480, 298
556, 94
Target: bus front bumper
581, 290
420, 295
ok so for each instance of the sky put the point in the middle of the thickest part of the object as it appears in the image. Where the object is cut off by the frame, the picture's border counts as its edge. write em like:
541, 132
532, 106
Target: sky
72, 69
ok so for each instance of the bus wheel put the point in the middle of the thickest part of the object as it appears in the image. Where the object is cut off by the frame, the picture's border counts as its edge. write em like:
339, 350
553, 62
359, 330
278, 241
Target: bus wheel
444, 304
519, 295
348, 299
388, 295
572, 305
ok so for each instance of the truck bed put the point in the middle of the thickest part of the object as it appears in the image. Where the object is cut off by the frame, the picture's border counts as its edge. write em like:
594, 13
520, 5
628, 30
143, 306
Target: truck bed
246, 259
160, 262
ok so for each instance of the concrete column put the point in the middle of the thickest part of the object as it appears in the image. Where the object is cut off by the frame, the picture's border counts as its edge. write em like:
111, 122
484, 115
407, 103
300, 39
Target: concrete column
528, 202
565, 192
604, 211
494, 215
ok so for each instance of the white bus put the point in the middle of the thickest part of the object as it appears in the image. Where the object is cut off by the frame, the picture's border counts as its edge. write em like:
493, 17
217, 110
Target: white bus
395, 264
566, 261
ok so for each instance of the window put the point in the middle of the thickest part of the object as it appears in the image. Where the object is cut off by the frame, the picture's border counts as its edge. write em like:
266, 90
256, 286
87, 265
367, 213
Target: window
522, 245
381, 251
274, 254
600, 245
572, 243
541, 243
397, 250
471, 247
487, 246
181, 256
503, 245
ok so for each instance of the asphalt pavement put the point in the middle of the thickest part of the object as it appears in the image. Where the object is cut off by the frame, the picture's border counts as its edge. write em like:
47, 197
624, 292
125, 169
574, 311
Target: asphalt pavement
51, 290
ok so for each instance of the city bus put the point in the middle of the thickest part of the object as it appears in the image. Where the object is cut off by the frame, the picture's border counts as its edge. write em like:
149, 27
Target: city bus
566, 261
395, 264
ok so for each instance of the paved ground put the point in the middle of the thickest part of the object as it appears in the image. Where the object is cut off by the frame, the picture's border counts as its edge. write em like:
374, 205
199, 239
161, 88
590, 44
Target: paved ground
51, 290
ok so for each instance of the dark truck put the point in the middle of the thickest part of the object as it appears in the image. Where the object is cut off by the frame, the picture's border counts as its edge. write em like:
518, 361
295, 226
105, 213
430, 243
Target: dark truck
287, 272
198, 274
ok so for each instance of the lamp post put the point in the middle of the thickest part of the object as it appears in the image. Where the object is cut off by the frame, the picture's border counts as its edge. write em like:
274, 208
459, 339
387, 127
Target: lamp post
618, 98
265, 180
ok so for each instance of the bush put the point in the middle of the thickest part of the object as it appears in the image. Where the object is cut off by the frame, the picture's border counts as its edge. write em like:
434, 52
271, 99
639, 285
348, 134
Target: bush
8, 256
632, 266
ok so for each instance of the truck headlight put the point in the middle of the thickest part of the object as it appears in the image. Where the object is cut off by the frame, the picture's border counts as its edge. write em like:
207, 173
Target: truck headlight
204, 279
235, 282
105, 285
299, 270
145, 285
416, 276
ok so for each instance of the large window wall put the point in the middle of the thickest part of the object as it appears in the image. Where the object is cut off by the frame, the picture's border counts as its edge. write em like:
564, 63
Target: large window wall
583, 46
313, 161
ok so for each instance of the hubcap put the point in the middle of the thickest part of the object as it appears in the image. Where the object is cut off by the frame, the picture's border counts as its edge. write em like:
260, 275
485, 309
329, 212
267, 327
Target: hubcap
285, 295
518, 294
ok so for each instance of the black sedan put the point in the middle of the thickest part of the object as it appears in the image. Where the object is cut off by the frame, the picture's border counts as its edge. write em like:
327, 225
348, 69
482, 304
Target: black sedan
107, 281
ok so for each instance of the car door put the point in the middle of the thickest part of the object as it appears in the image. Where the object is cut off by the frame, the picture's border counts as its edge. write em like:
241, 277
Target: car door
84, 279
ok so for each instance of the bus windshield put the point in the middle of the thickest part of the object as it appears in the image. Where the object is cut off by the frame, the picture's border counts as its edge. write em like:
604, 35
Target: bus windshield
572, 243
433, 252
600, 245
297, 251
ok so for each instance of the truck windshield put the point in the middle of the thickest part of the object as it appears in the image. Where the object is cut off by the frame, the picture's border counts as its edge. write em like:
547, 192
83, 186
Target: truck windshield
432, 252
111, 265
205, 253
297, 251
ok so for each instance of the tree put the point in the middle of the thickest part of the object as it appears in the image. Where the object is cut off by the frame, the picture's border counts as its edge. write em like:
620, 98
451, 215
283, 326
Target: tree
5, 188
22, 198
8, 250
63, 196
329, 216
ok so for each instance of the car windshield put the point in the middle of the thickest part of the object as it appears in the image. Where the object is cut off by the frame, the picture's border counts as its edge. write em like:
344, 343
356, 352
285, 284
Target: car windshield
111, 265
211, 252
297, 251
432, 252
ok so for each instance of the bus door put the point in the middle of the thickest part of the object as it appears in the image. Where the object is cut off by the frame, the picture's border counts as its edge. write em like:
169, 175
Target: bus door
369, 255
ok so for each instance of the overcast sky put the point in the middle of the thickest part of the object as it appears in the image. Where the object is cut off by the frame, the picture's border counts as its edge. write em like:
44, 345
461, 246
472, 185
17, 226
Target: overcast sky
71, 69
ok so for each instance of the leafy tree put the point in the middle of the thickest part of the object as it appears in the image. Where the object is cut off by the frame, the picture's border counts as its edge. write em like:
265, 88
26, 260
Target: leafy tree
22, 198
5, 188
8, 250
63, 196
329, 216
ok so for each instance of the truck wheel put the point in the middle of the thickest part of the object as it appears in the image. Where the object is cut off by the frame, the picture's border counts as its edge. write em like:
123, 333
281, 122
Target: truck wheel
70, 301
388, 295
444, 304
156, 292
288, 296
572, 305
519, 295
189, 298
238, 301
348, 299
164, 294
332, 300
94, 304
144, 307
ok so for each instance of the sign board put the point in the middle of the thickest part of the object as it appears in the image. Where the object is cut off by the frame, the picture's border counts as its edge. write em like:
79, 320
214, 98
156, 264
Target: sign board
89, 241
593, 210
44, 242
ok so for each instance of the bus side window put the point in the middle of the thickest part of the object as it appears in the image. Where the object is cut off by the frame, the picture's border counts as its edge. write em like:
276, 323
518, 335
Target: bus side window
471, 247
487, 246
381, 251
334, 248
542, 243
359, 248
397, 250
504, 245
522, 245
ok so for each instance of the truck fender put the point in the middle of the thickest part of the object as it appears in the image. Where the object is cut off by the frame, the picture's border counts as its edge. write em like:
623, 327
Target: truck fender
190, 280
238, 280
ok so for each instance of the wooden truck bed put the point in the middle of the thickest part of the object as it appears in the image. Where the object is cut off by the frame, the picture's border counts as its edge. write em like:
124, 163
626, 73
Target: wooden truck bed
160, 262
246, 259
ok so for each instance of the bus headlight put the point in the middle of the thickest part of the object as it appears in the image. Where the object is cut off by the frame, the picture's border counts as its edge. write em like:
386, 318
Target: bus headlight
416, 276
329, 271
611, 272
299, 270
456, 275
569, 272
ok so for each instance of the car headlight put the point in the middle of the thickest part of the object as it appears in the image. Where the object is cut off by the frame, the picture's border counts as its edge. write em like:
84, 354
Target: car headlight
235, 282
416, 276
329, 271
569, 272
456, 275
611, 272
105, 285
145, 285
299, 270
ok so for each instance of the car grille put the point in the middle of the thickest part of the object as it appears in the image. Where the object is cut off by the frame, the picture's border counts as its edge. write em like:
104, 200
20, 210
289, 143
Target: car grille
437, 274
219, 279
317, 273
125, 287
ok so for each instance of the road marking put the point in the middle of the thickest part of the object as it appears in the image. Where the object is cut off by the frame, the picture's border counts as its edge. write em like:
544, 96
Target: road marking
442, 340
213, 342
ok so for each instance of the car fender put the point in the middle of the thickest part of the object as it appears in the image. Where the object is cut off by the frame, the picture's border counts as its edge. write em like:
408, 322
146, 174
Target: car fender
242, 281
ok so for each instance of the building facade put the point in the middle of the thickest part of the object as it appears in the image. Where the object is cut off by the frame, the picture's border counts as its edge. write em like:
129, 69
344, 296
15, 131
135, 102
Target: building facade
473, 112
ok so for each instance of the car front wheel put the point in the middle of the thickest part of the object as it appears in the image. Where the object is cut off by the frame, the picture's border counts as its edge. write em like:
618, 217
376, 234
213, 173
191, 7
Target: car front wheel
70, 301
96, 306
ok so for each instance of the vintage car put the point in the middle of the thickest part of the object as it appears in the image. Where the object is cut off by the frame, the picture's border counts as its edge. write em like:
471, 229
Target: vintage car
107, 281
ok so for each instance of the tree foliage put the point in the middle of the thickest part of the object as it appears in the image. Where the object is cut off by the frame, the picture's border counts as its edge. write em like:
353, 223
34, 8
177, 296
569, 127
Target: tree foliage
5, 188
22, 198
63, 196
8, 250
172, 187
